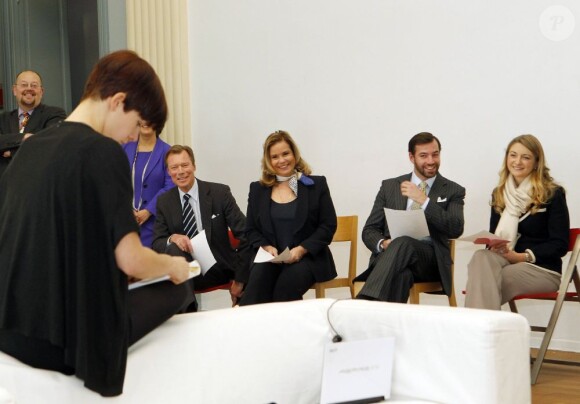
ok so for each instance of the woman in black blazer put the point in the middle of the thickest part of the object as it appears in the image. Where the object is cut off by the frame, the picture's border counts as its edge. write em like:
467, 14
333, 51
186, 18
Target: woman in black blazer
529, 211
288, 208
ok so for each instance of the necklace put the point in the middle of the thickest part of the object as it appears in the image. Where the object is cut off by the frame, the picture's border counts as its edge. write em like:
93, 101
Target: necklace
138, 207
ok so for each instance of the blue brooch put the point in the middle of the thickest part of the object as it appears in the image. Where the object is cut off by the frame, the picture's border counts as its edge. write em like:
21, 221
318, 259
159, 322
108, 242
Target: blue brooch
306, 180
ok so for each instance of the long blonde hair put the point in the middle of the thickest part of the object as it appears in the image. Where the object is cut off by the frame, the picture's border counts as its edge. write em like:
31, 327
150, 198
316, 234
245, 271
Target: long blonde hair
268, 173
543, 185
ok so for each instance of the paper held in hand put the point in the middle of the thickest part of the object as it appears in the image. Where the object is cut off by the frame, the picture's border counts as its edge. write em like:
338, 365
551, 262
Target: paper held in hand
201, 252
265, 256
484, 237
194, 270
410, 223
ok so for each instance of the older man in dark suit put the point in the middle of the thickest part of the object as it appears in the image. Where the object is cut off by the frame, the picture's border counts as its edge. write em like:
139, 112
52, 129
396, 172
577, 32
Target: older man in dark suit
397, 263
214, 210
30, 116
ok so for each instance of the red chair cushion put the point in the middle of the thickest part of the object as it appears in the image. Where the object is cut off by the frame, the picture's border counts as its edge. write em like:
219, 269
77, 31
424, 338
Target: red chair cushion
551, 295
225, 286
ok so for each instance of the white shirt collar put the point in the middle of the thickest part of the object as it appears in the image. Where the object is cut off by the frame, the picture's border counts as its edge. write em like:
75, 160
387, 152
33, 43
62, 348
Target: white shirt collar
416, 180
193, 192
21, 111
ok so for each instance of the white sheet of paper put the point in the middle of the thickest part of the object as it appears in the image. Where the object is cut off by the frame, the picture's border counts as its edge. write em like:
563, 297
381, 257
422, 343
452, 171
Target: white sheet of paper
410, 223
194, 270
265, 256
201, 252
483, 237
357, 370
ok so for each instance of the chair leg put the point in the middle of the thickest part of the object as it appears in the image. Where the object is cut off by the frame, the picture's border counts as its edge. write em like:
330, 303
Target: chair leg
320, 291
452, 300
547, 338
351, 288
566, 278
357, 286
513, 306
413, 296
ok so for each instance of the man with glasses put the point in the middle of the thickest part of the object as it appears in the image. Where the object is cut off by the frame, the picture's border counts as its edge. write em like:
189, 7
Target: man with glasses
30, 116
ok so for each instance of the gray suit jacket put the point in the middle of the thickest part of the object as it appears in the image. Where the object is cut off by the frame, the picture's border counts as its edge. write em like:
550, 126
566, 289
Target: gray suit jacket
219, 211
444, 214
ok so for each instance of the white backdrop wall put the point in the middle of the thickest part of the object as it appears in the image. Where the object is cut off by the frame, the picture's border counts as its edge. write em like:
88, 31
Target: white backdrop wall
353, 80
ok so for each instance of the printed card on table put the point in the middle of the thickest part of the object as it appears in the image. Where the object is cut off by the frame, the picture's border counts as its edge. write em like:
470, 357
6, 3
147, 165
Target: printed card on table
358, 371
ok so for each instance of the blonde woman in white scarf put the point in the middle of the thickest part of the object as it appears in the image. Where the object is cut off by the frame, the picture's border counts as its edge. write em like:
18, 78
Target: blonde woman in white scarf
529, 210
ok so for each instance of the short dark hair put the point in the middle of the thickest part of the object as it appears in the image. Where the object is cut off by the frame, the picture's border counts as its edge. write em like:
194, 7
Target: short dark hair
422, 138
178, 149
125, 72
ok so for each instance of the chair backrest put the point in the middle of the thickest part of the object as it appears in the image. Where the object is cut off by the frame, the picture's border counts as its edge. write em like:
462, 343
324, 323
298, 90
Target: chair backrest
570, 273
575, 232
347, 230
574, 236
235, 243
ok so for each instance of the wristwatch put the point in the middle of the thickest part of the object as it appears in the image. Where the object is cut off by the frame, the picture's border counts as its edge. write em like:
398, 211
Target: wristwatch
528, 257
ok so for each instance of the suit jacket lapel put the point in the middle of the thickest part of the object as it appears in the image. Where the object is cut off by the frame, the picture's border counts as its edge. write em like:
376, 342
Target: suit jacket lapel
156, 158
205, 203
14, 122
131, 149
400, 201
302, 207
438, 189
264, 211
176, 210
32, 124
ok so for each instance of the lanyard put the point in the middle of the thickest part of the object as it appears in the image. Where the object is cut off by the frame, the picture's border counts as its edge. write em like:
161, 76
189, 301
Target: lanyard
138, 207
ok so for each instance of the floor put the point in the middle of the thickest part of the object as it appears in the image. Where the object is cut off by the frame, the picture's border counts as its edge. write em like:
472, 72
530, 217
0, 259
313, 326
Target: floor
558, 384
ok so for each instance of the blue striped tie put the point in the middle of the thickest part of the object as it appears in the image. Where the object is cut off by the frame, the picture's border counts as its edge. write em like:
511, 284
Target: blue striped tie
189, 222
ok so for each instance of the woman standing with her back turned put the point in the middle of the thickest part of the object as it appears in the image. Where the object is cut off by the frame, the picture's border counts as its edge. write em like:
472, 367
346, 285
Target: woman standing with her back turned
68, 237
529, 210
288, 208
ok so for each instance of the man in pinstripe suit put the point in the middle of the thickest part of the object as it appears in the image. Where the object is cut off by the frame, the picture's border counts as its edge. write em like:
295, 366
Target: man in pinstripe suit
396, 264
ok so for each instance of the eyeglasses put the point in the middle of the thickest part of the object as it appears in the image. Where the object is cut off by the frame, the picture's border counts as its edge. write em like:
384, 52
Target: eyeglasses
143, 125
24, 85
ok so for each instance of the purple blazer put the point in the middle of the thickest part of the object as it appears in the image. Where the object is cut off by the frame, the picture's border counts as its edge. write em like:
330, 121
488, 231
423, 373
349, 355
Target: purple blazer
155, 183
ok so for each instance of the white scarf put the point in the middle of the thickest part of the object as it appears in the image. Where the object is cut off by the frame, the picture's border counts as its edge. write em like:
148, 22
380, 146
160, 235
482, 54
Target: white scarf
517, 202
292, 181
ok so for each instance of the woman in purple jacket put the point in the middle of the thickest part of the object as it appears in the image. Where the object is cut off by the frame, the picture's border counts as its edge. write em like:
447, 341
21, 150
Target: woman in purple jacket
149, 177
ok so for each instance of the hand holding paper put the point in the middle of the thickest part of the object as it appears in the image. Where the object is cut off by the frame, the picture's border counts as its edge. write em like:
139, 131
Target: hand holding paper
201, 252
194, 270
265, 256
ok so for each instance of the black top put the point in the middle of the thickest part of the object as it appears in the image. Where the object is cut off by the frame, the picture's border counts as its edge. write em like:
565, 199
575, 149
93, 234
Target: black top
313, 227
283, 216
546, 233
65, 204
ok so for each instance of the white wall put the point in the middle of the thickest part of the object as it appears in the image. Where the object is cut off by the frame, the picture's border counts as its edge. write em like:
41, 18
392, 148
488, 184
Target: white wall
353, 80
